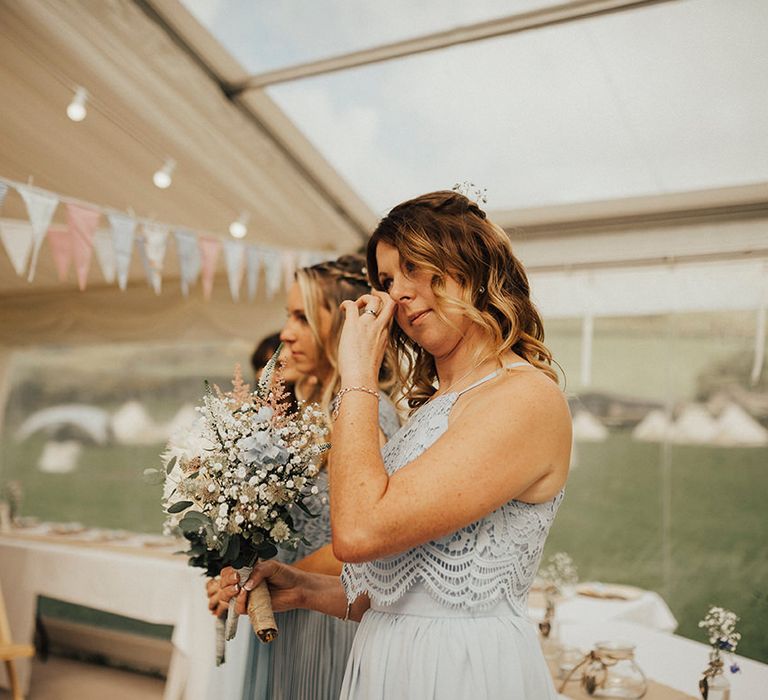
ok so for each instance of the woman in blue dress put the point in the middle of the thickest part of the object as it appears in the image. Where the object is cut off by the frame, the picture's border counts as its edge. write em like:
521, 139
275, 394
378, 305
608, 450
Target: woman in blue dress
442, 531
307, 660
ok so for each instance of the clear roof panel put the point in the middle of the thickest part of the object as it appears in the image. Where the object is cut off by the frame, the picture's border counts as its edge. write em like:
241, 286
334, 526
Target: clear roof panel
263, 34
671, 97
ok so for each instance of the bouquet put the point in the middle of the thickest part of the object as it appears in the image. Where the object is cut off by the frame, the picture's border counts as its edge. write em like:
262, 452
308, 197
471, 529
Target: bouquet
233, 478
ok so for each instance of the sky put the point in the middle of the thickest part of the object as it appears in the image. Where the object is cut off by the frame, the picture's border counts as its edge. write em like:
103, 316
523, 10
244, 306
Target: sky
667, 98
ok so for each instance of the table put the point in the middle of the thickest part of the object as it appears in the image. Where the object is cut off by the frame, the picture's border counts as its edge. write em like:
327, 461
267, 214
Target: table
122, 578
648, 609
667, 658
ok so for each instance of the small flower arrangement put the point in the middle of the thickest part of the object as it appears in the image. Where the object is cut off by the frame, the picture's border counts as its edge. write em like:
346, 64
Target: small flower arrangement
720, 625
560, 572
233, 478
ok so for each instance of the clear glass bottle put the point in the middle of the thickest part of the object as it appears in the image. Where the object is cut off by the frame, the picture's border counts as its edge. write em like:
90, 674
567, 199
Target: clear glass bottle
619, 676
719, 686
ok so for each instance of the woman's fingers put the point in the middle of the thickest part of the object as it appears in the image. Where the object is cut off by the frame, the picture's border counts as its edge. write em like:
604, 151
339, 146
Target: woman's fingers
226, 593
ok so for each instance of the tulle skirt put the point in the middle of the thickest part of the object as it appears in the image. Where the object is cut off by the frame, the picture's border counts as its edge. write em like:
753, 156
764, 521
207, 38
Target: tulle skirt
418, 649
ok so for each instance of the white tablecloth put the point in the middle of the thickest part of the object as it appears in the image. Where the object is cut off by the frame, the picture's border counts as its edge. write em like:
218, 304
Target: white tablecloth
648, 609
666, 658
153, 588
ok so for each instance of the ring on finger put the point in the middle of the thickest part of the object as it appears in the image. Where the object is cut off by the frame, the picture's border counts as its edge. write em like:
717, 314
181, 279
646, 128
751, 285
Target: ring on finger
373, 312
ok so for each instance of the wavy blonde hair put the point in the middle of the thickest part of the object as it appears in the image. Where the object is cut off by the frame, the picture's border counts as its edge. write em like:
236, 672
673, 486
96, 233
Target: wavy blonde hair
445, 233
326, 285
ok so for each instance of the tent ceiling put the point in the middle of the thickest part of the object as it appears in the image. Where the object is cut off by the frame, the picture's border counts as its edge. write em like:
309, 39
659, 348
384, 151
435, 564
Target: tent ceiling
662, 99
150, 100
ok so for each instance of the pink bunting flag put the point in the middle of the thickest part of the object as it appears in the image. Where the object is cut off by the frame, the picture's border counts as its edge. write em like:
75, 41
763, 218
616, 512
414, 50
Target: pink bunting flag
60, 245
209, 253
82, 223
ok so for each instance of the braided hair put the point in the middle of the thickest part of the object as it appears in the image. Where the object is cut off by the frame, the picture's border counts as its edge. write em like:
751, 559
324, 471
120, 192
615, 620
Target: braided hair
326, 285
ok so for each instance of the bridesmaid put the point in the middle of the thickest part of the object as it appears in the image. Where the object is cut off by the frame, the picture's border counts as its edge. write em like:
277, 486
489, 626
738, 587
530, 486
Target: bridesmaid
443, 529
307, 660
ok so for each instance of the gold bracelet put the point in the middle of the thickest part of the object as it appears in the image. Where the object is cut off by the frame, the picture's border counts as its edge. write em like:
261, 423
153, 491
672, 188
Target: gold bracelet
336, 404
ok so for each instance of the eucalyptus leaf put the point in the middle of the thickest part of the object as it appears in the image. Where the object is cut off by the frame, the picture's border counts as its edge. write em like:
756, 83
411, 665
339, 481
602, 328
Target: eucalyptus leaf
306, 510
179, 506
171, 464
267, 550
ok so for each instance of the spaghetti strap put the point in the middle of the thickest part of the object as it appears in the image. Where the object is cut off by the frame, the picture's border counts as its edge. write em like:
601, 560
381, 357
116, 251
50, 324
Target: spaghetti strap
490, 376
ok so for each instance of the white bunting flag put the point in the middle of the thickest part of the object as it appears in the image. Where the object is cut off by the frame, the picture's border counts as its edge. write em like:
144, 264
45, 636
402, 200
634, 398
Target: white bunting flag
17, 239
3, 192
234, 255
40, 208
189, 258
254, 268
153, 244
273, 271
105, 254
123, 228
289, 268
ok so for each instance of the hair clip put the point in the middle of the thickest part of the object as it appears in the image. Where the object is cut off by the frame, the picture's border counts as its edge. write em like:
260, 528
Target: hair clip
467, 188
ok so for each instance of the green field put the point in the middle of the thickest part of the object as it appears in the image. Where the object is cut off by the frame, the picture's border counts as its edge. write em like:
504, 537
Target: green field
610, 522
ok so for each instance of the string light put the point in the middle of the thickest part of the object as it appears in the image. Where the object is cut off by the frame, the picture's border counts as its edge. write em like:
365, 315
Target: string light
239, 228
162, 178
76, 110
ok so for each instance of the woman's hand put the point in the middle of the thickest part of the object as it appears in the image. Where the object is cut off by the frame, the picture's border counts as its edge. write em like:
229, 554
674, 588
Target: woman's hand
228, 588
212, 587
286, 586
364, 338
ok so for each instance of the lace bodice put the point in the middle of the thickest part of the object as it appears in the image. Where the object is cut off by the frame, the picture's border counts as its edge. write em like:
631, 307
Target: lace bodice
494, 557
317, 531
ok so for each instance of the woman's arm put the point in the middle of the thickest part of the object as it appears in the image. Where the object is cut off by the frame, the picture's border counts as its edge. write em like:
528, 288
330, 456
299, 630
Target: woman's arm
292, 588
508, 439
321, 561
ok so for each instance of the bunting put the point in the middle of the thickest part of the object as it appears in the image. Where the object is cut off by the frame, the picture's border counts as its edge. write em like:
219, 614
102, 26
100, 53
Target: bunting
288, 261
273, 270
17, 239
189, 258
254, 268
153, 244
123, 228
75, 244
82, 223
60, 245
209, 254
105, 254
40, 207
234, 255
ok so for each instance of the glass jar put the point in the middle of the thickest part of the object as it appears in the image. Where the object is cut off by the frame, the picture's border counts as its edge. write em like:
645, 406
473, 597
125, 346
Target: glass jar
613, 672
719, 687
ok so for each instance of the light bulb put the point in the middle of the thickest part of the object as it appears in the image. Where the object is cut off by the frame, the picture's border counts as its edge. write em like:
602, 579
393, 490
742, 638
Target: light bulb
239, 228
162, 178
76, 110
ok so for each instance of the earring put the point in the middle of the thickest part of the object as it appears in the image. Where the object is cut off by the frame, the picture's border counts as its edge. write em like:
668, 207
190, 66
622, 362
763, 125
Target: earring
481, 290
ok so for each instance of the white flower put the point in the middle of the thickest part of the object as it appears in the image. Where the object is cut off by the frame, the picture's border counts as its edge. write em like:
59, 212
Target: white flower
280, 531
314, 490
223, 509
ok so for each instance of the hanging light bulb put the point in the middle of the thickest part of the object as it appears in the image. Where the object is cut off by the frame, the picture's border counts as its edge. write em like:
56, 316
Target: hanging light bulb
76, 110
239, 228
162, 178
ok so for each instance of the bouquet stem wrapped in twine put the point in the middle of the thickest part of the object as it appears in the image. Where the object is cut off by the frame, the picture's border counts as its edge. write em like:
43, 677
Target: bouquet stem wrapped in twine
259, 610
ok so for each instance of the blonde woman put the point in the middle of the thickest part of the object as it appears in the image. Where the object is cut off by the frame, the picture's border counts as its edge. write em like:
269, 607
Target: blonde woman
307, 660
442, 531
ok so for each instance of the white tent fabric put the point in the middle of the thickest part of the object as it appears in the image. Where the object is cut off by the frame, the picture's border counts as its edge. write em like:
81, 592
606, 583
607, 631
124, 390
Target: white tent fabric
586, 428
655, 427
694, 426
736, 428
59, 457
91, 420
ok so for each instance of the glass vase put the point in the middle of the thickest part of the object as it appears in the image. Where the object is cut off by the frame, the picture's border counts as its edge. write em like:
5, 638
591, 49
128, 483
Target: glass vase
719, 687
614, 672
